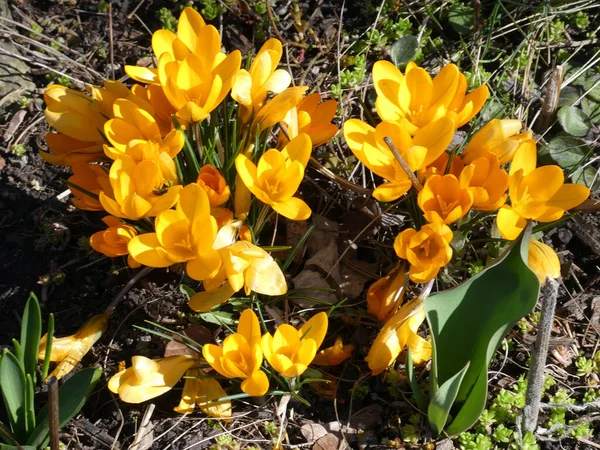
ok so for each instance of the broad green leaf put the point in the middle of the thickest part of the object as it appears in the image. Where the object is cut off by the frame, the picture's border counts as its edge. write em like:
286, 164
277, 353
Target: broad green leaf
31, 332
592, 109
469, 322
569, 96
574, 121
592, 87
471, 409
442, 400
12, 382
71, 398
587, 177
414, 383
569, 152
461, 18
404, 50
572, 154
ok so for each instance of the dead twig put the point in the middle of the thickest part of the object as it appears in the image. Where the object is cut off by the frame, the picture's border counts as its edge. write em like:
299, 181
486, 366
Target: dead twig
535, 379
53, 421
110, 39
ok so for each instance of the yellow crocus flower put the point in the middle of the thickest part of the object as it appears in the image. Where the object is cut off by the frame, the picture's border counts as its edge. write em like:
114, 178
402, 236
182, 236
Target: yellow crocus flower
152, 98
312, 118
275, 110
194, 86
113, 241
241, 356
427, 250
414, 100
68, 351
277, 176
203, 392
543, 260
193, 37
79, 123
149, 378
486, 181
243, 265
74, 114
134, 131
80, 120
444, 200
419, 151
193, 71
536, 193
498, 136
138, 189
251, 87
386, 294
184, 234
439, 167
213, 182
289, 351
398, 333
334, 355
92, 178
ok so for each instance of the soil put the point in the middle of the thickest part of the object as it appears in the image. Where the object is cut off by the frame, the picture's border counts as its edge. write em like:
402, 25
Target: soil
43, 249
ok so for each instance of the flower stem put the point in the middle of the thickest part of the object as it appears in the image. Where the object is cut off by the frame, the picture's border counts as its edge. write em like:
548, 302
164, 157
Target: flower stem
260, 222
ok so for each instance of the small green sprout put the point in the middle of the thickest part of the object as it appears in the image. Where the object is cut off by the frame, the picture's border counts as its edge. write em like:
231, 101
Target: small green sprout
19, 150
167, 20
585, 366
590, 396
410, 434
501, 434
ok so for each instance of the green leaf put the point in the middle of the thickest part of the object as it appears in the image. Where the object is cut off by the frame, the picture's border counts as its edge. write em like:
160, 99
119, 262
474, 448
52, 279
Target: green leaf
569, 96
71, 398
442, 400
186, 290
5, 433
591, 109
49, 341
468, 324
461, 18
12, 382
592, 84
572, 154
569, 152
218, 318
31, 332
574, 121
414, 384
14, 447
29, 406
588, 177
18, 350
404, 50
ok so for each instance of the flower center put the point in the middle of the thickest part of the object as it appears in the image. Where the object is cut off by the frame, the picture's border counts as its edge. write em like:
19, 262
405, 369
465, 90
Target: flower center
446, 207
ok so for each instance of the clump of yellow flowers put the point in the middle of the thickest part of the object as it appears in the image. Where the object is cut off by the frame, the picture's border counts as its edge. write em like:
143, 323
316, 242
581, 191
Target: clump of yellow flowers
190, 163
411, 150
188, 166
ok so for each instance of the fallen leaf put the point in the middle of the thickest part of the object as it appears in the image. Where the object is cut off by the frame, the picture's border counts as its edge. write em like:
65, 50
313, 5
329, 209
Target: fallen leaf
197, 333
312, 431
